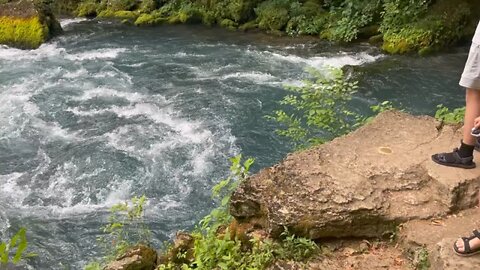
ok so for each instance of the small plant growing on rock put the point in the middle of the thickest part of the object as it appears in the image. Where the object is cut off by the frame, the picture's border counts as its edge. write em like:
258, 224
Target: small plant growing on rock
422, 261
126, 226
449, 116
125, 229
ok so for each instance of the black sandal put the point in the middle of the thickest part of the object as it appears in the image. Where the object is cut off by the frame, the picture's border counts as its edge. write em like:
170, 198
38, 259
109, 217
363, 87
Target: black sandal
453, 159
467, 251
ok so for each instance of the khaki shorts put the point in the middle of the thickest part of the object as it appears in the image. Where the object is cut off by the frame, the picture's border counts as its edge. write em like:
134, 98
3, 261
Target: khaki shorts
471, 74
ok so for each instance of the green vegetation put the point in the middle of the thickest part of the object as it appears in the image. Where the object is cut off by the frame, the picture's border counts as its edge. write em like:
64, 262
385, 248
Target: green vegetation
126, 228
317, 111
216, 247
404, 26
449, 116
26, 33
423, 25
16, 247
422, 261
318, 108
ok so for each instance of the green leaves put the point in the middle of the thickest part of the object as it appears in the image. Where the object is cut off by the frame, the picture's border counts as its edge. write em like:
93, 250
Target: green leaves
317, 110
126, 227
18, 244
448, 116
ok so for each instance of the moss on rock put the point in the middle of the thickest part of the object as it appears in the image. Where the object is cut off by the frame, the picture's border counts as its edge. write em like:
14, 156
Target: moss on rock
27, 33
26, 24
442, 25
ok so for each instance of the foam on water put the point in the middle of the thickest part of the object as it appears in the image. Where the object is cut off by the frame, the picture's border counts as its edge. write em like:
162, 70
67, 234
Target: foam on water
103, 92
67, 22
97, 124
46, 50
107, 53
252, 76
338, 60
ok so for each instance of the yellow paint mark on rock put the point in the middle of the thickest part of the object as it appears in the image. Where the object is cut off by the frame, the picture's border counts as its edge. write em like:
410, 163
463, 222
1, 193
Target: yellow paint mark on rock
385, 150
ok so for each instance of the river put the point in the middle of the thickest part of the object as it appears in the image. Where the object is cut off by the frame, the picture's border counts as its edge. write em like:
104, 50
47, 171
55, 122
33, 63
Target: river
109, 111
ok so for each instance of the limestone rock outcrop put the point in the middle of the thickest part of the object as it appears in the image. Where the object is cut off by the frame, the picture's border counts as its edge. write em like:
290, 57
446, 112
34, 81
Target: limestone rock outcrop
360, 185
136, 258
26, 24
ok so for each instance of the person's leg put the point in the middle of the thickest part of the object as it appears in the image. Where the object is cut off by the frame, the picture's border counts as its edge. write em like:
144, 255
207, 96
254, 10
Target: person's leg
463, 156
472, 111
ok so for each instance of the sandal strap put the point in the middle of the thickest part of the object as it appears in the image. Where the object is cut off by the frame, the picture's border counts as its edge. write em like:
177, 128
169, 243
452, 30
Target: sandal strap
466, 245
476, 233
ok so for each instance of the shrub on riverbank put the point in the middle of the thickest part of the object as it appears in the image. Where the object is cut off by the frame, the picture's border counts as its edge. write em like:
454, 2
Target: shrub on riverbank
216, 243
423, 27
405, 25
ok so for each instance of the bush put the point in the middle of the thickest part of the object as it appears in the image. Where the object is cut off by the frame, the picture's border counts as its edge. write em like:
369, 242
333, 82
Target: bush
318, 109
216, 248
273, 14
87, 9
148, 6
449, 116
347, 19
119, 5
415, 26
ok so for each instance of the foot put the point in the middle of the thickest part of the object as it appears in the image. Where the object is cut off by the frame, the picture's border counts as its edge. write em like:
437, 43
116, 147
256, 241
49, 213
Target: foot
453, 159
468, 246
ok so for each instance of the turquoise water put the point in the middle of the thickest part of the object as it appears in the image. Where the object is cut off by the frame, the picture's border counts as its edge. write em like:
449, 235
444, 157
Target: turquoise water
107, 111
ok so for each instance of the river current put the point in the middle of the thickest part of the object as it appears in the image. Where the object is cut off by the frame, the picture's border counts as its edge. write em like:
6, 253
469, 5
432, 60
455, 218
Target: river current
107, 111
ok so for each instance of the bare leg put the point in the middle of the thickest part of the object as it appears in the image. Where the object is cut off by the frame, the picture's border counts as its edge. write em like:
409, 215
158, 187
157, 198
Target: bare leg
472, 111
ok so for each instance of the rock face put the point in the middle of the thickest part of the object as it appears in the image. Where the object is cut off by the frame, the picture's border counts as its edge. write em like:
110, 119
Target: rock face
26, 24
362, 184
437, 238
136, 258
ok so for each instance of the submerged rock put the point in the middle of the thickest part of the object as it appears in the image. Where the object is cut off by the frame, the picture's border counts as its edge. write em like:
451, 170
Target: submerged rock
136, 258
26, 24
360, 185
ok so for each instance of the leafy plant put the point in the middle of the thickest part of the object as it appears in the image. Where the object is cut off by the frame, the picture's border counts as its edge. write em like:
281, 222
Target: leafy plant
126, 228
317, 111
222, 192
349, 17
17, 246
449, 116
215, 247
422, 261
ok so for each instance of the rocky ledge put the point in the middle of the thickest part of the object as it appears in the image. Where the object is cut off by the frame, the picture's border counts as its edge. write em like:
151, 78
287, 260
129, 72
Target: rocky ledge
26, 24
353, 191
360, 185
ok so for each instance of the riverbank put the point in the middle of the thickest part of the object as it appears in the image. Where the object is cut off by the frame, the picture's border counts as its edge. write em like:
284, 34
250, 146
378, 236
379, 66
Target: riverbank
372, 199
109, 111
398, 27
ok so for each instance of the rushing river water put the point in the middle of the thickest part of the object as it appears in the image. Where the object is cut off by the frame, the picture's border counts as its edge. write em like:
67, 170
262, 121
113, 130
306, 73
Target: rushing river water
106, 112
